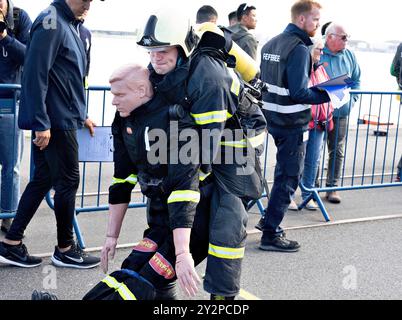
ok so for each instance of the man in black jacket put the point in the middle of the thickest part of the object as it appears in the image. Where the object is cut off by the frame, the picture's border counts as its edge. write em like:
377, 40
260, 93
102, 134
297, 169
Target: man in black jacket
285, 67
53, 107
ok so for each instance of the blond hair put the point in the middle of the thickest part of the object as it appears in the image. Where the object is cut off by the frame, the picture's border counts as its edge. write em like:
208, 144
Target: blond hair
303, 7
132, 74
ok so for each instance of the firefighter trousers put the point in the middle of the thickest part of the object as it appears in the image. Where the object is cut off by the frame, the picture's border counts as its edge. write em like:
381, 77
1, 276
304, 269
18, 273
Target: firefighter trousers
227, 228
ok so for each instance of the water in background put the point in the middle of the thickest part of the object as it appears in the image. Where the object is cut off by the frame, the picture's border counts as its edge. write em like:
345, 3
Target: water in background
110, 52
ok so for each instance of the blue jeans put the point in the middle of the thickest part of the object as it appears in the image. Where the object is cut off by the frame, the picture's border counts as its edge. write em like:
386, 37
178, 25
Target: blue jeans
11, 146
312, 160
336, 151
290, 154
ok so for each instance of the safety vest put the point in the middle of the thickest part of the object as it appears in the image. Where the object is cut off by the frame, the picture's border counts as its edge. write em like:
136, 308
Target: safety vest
279, 108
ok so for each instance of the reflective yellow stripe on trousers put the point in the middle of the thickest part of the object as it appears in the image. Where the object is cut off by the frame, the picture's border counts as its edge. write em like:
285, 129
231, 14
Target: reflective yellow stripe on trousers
226, 253
132, 179
121, 288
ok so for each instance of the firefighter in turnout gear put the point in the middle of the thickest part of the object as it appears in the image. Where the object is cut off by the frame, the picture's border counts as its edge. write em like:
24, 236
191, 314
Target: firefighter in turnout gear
194, 74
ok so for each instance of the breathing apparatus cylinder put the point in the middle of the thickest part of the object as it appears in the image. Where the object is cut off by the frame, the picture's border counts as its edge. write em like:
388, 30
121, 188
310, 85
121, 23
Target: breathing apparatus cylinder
245, 65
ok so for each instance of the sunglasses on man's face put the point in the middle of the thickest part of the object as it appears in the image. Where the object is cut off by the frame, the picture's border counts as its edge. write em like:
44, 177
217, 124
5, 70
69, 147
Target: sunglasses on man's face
343, 37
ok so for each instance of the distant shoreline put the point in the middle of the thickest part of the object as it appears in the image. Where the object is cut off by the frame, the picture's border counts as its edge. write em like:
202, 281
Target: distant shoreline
356, 45
106, 33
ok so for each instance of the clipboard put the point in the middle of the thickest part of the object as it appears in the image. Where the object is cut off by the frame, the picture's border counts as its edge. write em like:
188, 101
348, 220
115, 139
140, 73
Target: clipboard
338, 82
95, 149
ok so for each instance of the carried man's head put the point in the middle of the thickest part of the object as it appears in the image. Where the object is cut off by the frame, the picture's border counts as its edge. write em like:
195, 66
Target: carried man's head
131, 88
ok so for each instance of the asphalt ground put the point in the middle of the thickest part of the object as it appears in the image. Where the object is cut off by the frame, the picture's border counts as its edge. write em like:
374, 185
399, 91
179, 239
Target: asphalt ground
356, 256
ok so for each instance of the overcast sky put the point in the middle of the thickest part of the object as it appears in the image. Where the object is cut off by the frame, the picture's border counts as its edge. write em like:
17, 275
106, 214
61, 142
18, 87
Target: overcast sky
365, 20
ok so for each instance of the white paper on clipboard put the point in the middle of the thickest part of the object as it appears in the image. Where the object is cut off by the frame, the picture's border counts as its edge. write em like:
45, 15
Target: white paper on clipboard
96, 148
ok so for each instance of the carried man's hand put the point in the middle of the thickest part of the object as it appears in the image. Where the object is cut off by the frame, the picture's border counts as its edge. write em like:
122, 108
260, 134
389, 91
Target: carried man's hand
186, 274
42, 139
108, 252
91, 126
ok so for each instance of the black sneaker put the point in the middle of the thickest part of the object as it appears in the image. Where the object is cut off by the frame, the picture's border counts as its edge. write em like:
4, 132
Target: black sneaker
280, 244
43, 295
74, 258
18, 256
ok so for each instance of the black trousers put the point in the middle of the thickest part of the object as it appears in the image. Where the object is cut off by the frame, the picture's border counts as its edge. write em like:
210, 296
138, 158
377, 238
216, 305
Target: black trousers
56, 166
291, 150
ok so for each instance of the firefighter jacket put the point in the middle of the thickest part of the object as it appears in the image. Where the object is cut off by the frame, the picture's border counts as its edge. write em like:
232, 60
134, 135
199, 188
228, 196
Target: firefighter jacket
146, 151
285, 66
212, 93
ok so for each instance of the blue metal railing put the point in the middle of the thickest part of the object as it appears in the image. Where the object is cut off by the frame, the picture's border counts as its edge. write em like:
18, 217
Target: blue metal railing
384, 141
